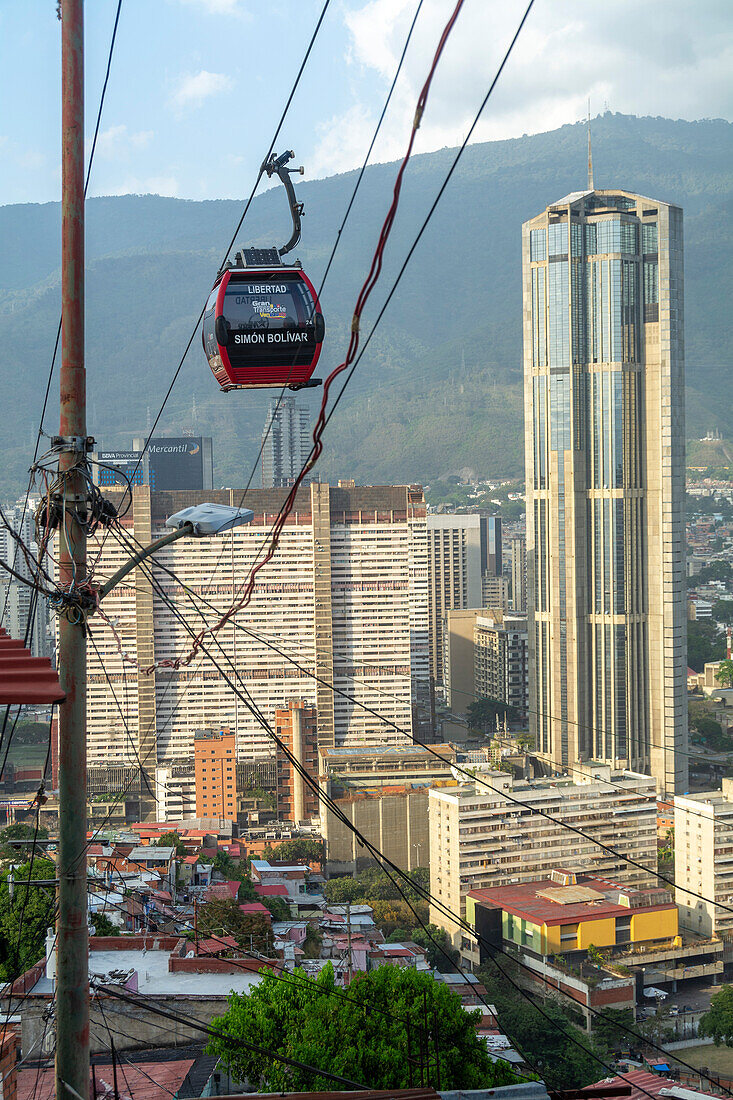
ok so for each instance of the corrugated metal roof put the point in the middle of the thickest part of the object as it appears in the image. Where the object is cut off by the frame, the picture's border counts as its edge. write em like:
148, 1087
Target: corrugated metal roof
25, 678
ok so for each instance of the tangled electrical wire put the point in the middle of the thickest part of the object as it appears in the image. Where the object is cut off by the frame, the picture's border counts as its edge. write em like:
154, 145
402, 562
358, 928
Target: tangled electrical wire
60, 509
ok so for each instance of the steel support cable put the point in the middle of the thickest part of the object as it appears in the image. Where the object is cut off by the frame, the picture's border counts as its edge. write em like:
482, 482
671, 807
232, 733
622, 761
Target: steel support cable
301, 983
357, 702
253, 1048
332, 254
339, 814
378, 855
375, 852
353, 354
247, 205
469, 775
362, 299
341, 228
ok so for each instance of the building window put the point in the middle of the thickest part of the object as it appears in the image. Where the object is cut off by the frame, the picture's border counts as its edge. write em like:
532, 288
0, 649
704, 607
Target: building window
537, 244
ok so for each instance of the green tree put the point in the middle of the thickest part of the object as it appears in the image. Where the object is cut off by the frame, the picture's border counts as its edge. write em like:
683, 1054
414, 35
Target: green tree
25, 918
565, 1056
482, 713
724, 675
610, 1027
717, 1023
279, 908
103, 926
303, 849
312, 943
172, 840
223, 917
437, 945
704, 643
364, 1041
374, 885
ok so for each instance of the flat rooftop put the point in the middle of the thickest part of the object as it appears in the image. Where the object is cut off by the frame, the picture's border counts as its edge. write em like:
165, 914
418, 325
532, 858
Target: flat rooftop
350, 752
154, 978
546, 901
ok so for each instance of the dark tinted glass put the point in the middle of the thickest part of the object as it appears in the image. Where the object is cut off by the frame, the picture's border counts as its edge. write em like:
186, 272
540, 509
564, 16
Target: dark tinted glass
270, 320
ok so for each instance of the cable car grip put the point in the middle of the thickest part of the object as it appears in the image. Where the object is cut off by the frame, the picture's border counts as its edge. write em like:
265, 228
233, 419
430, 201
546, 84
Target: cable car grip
275, 166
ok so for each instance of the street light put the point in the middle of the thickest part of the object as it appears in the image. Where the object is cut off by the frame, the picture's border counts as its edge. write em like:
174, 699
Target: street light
199, 521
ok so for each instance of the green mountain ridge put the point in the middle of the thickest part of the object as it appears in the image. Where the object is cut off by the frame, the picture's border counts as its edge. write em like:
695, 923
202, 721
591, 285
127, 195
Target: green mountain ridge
440, 385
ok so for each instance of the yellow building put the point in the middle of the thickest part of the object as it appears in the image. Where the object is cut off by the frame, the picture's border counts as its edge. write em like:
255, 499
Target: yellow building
569, 913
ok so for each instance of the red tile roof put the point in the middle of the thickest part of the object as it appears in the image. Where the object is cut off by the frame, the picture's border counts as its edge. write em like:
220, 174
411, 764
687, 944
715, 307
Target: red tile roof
133, 1080
642, 1083
273, 891
252, 908
25, 678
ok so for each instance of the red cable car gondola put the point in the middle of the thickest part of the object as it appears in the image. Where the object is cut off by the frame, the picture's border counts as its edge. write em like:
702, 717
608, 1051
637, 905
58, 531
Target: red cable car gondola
263, 325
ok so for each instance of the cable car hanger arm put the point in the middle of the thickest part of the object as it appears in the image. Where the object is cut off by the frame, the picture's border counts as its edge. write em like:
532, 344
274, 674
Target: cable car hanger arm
275, 166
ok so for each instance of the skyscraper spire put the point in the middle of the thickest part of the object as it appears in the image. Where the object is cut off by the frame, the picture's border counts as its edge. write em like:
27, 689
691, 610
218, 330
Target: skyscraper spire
590, 154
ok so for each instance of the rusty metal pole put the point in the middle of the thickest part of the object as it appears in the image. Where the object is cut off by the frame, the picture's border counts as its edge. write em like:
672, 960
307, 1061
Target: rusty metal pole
72, 964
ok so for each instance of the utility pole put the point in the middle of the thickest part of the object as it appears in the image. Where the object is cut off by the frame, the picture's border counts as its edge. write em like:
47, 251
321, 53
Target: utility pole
72, 966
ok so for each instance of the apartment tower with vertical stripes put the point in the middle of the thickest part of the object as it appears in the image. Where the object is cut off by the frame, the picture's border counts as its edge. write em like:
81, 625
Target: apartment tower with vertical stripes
604, 449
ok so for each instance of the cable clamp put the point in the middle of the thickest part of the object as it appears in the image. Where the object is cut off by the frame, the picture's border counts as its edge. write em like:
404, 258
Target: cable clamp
418, 117
74, 444
355, 325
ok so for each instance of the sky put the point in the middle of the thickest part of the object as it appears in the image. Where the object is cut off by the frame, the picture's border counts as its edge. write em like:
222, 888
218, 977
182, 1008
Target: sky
197, 86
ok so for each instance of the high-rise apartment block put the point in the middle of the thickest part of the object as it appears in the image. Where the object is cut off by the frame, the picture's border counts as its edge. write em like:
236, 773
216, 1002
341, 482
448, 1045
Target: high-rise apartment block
500, 659
297, 728
216, 774
604, 447
464, 555
703, 860
481, 837
345, 597
286, 442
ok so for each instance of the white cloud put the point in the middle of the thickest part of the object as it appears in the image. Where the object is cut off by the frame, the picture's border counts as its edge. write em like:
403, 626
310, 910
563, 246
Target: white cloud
194, 88
668, 66
117, 142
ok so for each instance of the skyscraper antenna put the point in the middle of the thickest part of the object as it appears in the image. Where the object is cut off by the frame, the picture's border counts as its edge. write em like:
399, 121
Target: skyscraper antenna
590, 154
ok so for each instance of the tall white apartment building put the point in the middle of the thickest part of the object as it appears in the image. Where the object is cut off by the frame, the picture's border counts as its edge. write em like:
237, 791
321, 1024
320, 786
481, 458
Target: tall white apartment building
479, 837
286, 441
703, 860
345, 596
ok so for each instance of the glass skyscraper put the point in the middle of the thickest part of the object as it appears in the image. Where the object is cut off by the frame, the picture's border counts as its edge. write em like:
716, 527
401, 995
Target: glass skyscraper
604, 450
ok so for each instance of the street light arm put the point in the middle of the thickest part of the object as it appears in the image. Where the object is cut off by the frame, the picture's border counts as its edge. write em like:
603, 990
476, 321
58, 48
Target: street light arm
172, 536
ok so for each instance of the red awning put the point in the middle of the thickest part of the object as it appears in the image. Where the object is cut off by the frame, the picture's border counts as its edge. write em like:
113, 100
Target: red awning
25, 678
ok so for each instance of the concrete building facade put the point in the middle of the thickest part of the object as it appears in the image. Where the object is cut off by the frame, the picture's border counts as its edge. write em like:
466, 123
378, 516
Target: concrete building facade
500, 659
455, 570
297, 727
604, 449
703, 860
216, 774
481, 838
345, 596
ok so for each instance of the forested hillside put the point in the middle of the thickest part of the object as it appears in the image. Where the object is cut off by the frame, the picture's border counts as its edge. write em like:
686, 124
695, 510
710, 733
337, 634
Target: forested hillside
439, 388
